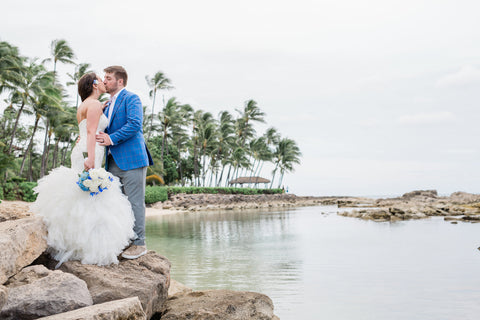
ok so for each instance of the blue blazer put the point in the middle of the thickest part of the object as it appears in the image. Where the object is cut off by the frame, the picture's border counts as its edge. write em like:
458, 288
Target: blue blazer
125, 130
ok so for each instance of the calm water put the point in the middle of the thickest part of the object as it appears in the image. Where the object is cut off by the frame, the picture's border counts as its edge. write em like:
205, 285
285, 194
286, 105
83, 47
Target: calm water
317, 265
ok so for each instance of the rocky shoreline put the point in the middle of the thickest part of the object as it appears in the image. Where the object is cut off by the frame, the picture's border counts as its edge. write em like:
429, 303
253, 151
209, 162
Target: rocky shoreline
419, 204
30, 287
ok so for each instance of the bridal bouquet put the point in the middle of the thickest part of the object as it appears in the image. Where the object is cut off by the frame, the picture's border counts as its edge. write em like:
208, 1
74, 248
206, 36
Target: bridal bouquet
95, 181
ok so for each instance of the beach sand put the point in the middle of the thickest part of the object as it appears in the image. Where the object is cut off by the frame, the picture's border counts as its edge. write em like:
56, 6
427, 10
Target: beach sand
21, 209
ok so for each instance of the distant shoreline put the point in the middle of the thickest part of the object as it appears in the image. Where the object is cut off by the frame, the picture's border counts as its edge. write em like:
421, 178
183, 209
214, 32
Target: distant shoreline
459, 206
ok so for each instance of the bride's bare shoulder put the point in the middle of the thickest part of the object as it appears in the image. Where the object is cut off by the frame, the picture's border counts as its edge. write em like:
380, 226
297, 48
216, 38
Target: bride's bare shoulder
86, 106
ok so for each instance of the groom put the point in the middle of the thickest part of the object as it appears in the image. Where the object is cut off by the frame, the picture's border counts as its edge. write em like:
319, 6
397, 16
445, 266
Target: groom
127, 153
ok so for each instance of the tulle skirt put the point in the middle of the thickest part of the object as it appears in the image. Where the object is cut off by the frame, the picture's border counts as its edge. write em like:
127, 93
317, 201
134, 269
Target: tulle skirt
92, 229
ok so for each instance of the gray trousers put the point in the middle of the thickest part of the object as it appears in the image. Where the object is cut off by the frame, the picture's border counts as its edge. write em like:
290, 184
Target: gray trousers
133, 186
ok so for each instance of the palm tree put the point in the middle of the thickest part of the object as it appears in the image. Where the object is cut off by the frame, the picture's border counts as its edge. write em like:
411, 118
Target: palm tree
285, 156
64, 126
61, 52
50, 95
11, 67
80, 70
260, 153
180, 137
250, 113
168, 117
158, 82
36, 81
226, 140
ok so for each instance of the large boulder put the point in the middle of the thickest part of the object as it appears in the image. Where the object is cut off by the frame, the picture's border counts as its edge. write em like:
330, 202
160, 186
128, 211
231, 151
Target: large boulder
219, 305
13, 210
125, 309
3, 296
147, 278
21, 242
37, 292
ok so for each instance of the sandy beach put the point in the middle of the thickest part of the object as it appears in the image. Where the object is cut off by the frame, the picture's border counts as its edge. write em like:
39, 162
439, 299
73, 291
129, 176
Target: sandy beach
21, 209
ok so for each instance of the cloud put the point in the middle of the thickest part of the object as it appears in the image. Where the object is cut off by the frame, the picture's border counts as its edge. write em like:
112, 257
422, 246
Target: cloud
466, 76
427, 118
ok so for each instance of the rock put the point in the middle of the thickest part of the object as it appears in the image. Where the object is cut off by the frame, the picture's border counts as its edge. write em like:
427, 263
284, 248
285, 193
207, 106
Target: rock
421, 193
32, 295
379, 215
219, 305
28, 275
3, 296
125, 309
21, 242
471, 218
13, 210
177, 289
396, 211
464, 197
147, 278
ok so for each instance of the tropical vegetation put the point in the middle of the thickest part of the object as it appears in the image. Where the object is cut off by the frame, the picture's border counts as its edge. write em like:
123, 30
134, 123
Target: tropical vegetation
190, 146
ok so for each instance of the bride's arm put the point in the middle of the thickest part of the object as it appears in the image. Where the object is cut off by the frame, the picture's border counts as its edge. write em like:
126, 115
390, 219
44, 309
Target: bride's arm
94, 112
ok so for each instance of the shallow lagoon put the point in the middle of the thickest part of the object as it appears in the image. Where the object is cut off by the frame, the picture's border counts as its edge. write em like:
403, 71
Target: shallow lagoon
317, 265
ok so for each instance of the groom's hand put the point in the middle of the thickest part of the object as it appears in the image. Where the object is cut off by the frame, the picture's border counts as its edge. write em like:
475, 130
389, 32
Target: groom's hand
103, 139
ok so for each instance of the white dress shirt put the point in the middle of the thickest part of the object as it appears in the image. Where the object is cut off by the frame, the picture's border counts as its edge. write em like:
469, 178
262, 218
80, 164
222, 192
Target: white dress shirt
112, 104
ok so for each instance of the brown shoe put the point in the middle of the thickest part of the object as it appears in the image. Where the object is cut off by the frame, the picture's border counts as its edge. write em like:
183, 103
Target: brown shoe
133, 252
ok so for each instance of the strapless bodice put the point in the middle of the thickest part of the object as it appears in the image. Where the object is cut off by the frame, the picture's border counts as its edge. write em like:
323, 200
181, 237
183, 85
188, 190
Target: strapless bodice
80, 148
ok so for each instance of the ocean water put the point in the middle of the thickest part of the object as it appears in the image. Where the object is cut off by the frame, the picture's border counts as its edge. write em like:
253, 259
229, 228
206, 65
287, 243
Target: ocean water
315, 264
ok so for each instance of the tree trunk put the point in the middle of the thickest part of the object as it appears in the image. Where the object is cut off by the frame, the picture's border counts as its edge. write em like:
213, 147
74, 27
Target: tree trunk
29, 147
65, 151
228, 175
151, 120
195, 163
15, 127
45, 152
164, 139
55, 153
281, 179
273, 177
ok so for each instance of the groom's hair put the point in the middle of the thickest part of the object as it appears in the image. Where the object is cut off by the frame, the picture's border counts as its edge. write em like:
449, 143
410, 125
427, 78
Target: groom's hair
118, 72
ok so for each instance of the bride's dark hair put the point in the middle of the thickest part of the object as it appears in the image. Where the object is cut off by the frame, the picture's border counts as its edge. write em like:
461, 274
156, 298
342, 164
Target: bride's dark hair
85, 85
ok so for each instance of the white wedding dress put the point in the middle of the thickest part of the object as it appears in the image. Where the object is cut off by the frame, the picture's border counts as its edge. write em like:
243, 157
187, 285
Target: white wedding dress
92, 229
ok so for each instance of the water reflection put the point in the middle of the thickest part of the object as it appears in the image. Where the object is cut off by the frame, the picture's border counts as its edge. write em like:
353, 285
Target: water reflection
317, 265
230, 250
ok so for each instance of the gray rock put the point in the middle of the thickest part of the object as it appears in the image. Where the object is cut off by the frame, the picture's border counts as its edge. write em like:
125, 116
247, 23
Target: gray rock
125, 309
21, 242
147, 278
219, 305
32, 295
3, 296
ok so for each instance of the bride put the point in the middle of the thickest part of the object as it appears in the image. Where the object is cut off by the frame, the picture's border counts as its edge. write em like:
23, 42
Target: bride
91, 228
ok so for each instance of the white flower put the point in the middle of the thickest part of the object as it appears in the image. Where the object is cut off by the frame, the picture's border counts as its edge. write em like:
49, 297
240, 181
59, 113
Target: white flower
94, 174
88, 183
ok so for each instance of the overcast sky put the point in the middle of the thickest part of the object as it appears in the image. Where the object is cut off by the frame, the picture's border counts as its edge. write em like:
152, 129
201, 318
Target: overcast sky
381, 96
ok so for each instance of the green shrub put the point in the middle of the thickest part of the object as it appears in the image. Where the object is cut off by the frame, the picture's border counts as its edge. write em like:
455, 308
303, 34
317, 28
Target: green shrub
11, 191
18, 189
27, 192
154, 194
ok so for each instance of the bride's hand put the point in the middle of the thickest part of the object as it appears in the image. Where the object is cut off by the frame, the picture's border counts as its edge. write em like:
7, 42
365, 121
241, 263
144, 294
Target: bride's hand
89, 164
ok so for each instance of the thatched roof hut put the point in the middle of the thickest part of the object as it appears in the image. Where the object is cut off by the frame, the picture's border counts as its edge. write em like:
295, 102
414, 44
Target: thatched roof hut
248, 180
